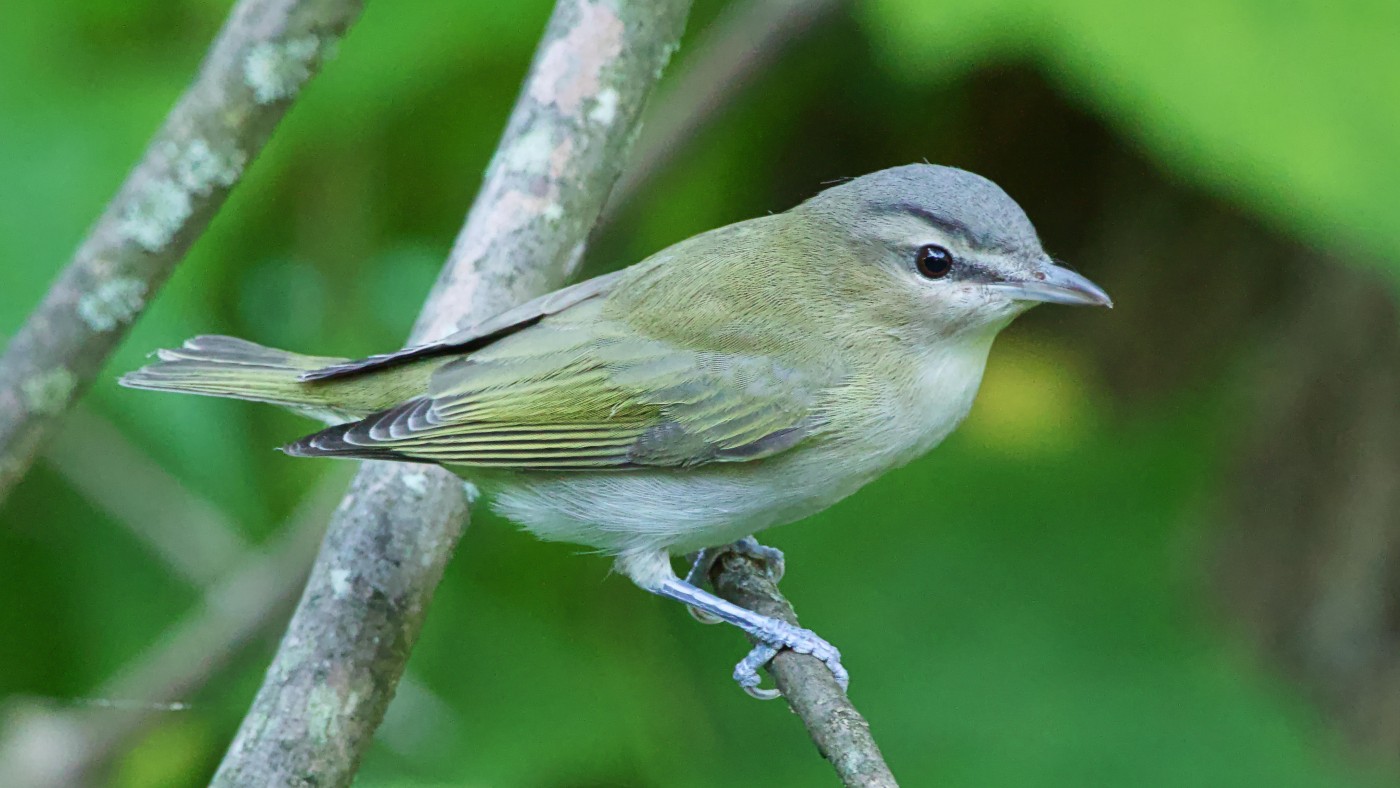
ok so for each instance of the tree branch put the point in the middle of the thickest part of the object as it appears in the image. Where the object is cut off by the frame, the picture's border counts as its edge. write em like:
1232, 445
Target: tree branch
742, 43
840, 732
249, 593
384, 552
200, 543
266, 51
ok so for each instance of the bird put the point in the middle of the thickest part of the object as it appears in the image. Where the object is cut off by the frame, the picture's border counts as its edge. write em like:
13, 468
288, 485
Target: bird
743, 378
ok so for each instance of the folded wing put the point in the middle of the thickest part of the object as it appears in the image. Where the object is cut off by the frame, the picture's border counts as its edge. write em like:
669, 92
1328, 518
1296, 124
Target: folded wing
578, 392
477, 336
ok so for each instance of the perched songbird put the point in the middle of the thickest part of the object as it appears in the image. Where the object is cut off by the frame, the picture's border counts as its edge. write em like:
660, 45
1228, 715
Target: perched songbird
740, 379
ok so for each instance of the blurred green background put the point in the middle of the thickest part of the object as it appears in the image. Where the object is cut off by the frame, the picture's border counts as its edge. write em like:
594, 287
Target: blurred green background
1163, 551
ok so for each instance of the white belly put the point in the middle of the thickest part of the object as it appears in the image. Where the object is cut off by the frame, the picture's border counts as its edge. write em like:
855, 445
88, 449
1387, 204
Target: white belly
682, 510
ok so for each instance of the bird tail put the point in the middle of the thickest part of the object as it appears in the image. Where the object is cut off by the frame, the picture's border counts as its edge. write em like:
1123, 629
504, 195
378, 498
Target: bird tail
219, 366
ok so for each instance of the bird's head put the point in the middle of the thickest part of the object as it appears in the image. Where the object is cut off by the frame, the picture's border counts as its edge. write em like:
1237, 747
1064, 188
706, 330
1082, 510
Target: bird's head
945, 250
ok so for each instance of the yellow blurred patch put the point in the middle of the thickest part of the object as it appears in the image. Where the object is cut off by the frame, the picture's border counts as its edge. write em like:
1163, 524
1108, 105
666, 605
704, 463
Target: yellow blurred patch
168, 755
1034, 400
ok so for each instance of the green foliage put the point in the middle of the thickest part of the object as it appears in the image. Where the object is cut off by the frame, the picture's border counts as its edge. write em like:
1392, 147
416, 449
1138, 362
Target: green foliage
1023, 607
1290, 107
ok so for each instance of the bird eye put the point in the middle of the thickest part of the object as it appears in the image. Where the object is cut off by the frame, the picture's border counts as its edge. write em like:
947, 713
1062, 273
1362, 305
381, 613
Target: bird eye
933, 261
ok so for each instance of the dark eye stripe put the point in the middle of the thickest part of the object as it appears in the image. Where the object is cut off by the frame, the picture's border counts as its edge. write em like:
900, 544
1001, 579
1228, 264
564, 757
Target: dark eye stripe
953, 268
972, 272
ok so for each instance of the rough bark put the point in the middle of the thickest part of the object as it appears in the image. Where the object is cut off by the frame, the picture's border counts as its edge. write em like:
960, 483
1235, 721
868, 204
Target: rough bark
363, 608
265, 53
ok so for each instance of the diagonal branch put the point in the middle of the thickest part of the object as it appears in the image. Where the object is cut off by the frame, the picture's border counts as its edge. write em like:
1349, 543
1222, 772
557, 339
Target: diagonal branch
249, 592
198, 542
387, 544
236, 611
840, 732
266, 51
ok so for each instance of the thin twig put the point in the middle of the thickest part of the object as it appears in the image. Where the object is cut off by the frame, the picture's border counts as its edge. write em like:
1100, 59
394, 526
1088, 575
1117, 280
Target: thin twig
384, 552
190, 535
266, 51
249, 593
840, 732
745, 40
47, 746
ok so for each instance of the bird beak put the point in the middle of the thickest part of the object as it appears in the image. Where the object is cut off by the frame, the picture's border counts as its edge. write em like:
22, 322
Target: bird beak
1055, 284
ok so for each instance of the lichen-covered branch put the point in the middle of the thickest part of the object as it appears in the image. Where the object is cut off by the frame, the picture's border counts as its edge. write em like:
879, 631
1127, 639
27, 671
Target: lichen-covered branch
840, 732
384, 552
266, 51
197, 543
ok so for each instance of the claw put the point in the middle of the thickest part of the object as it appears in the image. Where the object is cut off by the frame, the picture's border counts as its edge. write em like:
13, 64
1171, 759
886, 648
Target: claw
703, 617
652, 571
771, 557
698, 575
775, 635
746, 672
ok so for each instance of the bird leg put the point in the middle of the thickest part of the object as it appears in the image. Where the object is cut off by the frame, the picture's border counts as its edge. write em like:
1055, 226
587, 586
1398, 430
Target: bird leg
771, 558
700, 564
652, 571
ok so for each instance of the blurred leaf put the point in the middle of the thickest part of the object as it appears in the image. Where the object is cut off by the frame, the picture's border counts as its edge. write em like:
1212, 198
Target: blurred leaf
1033, 399
1291, 107
168, 755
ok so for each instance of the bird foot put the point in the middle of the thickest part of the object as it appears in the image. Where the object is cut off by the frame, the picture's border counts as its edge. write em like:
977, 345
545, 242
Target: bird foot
652, 571
772, 559
775, 635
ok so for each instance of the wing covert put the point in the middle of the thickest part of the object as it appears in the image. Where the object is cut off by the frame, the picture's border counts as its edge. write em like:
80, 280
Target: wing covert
578, 392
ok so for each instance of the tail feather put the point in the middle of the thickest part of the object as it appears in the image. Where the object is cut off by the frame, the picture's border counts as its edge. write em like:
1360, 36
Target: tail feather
225, 351
220, 366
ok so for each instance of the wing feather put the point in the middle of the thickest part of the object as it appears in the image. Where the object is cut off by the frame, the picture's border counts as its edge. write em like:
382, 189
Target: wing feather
476, 336
595, 377
576, 392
